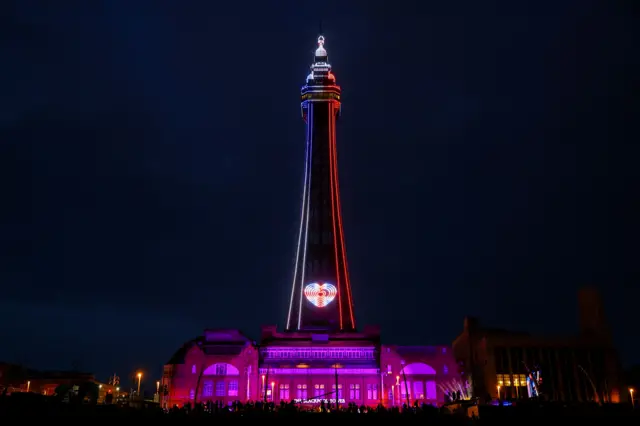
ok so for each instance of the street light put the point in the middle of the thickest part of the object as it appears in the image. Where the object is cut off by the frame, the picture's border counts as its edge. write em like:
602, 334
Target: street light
273, 391
139, 379
28, 385
393, 395
633, 404
158, 386
498, 392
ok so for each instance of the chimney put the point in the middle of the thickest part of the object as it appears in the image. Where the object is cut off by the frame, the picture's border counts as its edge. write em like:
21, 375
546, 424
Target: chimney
592, 319
471, 324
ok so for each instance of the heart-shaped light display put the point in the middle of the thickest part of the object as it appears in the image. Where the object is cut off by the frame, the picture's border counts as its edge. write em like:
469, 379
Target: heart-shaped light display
320, 294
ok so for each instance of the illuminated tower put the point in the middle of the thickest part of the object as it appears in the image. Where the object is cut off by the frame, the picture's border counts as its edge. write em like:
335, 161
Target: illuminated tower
321, 292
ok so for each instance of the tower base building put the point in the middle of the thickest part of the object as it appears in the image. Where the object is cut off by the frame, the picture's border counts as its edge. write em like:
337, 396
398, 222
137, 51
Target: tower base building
307, 368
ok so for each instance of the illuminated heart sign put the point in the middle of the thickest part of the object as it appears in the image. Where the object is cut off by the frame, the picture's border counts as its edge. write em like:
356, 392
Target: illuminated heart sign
320, 294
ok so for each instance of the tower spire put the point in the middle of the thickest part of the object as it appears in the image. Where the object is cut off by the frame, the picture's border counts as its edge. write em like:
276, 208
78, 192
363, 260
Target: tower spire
321, 291
321, 52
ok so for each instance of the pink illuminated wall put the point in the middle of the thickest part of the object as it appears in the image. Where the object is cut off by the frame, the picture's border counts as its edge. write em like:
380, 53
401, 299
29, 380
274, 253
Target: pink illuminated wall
208, 373
426, 369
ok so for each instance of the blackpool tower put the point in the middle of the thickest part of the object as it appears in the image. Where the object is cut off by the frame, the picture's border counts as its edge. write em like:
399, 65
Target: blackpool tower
321, 292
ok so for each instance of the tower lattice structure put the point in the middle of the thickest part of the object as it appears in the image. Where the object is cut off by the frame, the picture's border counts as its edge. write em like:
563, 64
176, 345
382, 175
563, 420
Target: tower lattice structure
321, 296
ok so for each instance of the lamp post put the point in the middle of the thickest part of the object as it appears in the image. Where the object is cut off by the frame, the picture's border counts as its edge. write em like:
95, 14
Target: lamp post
498, 392
393, 395
633, 404
273, 391
139, 380
29, 385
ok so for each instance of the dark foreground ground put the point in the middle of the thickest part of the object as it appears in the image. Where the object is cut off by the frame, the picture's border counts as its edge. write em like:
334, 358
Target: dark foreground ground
19, 406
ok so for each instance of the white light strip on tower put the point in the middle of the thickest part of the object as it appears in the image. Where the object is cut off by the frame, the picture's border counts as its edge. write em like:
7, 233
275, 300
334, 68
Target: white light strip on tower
306, 232
307, 153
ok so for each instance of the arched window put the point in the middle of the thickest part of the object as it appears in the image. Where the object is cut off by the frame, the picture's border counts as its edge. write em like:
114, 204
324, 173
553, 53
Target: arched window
418, 368
221, 369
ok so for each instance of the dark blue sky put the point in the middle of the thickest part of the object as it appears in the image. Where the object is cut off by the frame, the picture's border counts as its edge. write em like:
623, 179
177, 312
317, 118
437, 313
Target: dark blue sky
151, 157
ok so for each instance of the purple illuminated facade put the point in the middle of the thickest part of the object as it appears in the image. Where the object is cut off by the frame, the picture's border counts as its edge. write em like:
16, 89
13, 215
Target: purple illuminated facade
320, 355
224, 365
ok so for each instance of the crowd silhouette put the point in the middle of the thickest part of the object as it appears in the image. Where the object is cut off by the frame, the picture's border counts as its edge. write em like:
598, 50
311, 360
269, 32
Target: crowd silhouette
453, 413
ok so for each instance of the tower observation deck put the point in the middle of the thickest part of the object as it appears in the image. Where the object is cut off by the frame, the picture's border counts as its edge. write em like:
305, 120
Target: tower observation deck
321, 292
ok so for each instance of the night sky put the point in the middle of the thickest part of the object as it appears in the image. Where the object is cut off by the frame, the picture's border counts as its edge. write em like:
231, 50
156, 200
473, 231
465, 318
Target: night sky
151, 164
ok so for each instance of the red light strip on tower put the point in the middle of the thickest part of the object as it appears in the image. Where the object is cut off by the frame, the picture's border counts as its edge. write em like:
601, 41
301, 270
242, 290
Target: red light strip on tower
332, 167
342, 244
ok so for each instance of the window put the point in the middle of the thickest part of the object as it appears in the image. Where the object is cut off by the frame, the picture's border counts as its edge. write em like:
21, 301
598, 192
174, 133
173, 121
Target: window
499, 379
193, 369
233, 388
445, 369
404, 386
389, 369
372, 391
192, 394
221, 369
220, 388
207, 388
302, 391
418, 391
318, 390
284, 392
354, 391
431, 389
518, 380
333, 388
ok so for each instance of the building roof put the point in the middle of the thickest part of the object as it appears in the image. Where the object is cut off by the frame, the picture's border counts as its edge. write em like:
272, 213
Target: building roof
178, 356
213, 342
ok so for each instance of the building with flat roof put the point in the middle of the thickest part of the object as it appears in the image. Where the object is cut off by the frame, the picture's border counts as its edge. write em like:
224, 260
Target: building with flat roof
575, 368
